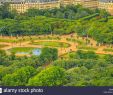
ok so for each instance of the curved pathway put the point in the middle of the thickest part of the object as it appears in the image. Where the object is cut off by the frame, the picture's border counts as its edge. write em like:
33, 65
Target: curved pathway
61, 51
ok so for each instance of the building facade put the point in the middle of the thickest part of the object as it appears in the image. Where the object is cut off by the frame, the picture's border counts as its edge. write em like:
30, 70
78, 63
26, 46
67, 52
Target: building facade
86, 3
66, 2
23, 5
107, 5
90, 3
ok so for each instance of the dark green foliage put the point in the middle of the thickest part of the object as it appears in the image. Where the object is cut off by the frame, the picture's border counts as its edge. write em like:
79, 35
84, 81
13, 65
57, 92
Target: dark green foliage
90, 17
2, 53
93, 29
70, 63
5, 12
68, 12
96, 76
19, 78
86, 55
35, 26
4, 59
109, 58
9, 65
48, 55
67, 64
52, 76
85, 70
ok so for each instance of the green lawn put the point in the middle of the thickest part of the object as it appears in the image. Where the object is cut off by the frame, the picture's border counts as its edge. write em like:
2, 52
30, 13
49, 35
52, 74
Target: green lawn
51, 44
81, 42
46, 38
2, 46
28, 39
87, 48
21, 49
108, 50
9, 40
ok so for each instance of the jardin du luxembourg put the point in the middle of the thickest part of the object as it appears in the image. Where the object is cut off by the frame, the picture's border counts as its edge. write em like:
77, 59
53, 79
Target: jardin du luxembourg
56, 43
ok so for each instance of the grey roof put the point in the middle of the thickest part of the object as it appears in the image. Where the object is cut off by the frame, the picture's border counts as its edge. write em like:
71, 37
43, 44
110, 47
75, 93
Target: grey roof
40, 0
15, 1
106, 1
11, 0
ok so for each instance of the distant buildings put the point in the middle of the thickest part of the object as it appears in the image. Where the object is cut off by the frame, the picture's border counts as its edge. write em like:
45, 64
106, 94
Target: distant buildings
90, 3
66, 2
87, 3
22, 5
107, 5
38, 4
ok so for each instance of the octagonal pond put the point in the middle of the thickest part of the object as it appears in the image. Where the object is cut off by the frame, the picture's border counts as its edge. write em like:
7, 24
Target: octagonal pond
25, 51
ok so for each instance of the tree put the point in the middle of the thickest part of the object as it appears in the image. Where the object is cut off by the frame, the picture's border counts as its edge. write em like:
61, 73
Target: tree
51, 76
48, 55
19, 78
4, 59
5, 12
109, 58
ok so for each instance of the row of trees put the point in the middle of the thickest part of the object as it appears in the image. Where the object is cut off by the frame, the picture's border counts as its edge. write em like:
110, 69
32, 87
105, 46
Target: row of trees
101, 31
62, 20
44, 25
35, 25
6, 13
68, 12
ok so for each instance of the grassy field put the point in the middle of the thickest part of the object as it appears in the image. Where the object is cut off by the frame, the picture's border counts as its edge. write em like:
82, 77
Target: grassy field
51, 44
108, 50
8, 40
12, 40
81, 42
46, 38
2, 46
21, 49
87, 48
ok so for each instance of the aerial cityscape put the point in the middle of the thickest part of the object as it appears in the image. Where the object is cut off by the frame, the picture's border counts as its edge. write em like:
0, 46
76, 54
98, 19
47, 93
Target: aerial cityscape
56, 43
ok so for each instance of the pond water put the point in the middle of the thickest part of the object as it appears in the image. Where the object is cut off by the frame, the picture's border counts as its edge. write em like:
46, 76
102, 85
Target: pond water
35, 51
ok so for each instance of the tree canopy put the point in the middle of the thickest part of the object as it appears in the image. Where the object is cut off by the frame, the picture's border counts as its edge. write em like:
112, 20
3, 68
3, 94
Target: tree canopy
52, 76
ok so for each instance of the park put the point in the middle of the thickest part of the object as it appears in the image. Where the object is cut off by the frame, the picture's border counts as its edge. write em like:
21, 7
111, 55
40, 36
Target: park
65, 44
68, 46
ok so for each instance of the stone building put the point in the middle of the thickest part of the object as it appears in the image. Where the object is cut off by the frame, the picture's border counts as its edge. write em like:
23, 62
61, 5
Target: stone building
107, 5
23, 5
90, 3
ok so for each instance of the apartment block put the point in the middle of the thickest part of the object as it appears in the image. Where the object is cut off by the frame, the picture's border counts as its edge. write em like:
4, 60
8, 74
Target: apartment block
90, 3
23, 5
107, 5
66, 2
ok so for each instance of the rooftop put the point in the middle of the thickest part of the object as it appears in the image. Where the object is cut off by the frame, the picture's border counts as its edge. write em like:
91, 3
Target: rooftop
106, 1
27, 1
